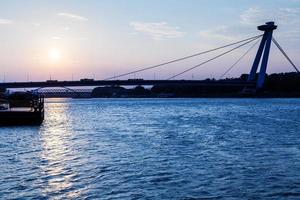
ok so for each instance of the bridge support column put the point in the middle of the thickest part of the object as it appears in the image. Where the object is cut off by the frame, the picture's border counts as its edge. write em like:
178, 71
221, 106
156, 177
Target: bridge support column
256, 62
264, 49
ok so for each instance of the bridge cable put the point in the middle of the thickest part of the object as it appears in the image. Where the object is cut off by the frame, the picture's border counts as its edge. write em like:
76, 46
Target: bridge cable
285, 55
180, 59
222, 54
234, 64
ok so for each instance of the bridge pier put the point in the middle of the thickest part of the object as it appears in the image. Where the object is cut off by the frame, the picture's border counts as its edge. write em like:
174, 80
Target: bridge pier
263, 50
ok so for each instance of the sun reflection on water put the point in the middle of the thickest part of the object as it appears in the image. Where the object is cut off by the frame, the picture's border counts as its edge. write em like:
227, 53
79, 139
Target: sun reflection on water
57, 152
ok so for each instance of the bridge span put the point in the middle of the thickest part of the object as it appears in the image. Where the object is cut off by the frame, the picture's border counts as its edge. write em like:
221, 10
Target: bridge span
95, 83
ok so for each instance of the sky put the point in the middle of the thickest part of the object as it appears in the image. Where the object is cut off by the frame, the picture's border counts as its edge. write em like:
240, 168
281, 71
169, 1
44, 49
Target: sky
74, 39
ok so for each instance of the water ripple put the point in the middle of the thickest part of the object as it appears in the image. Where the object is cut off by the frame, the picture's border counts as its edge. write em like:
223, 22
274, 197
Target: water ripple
155, 149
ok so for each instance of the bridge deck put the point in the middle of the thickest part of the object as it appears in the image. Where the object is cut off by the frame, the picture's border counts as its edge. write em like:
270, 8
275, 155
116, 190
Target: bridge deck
122, 83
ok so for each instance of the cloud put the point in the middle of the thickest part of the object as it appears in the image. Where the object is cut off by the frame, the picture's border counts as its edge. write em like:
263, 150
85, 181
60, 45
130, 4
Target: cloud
287, 19
56, 38
256, 16
219, 33
80, 38
157, 30
6, 21
72, 16
253, 16
36, 24
289, 15
73, 39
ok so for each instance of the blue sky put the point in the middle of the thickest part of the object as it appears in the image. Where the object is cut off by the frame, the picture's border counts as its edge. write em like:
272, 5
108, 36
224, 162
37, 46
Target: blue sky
101, 38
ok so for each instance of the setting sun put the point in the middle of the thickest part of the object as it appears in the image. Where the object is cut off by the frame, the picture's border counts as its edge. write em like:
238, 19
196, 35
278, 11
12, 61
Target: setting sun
54, 54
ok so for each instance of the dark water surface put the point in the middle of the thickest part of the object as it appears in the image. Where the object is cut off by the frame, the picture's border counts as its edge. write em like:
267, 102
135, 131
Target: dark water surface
155, 149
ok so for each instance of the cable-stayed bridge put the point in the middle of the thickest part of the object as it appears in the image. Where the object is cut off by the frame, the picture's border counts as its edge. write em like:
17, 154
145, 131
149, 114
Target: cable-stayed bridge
253, 83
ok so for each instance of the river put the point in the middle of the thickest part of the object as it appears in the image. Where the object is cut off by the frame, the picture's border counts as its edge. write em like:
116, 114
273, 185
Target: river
155, 149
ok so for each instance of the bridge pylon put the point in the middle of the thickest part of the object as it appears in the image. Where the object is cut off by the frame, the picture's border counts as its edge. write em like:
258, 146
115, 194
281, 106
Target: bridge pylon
262, 55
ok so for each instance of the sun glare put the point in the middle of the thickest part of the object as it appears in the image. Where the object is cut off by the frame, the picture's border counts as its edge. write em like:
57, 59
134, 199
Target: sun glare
54, 54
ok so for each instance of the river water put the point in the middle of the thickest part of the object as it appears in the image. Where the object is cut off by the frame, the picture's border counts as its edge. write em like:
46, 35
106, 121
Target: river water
155, 149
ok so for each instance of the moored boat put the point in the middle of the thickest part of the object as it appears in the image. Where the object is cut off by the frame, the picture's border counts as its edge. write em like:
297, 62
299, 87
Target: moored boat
21, 108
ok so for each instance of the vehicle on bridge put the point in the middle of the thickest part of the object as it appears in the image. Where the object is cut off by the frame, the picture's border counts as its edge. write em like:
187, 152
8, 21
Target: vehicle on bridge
86, 80
135, 79
52, 81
